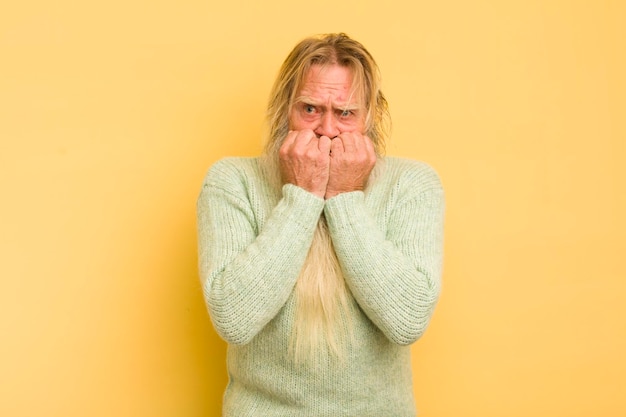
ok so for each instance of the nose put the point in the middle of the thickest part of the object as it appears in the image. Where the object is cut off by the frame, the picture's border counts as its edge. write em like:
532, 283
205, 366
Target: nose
327, 126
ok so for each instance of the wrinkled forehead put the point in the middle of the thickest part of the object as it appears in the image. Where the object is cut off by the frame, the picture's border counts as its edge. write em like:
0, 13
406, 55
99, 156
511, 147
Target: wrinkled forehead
344, 80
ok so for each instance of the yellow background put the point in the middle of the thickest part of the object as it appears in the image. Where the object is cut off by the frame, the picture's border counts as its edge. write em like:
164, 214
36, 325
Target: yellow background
111, 112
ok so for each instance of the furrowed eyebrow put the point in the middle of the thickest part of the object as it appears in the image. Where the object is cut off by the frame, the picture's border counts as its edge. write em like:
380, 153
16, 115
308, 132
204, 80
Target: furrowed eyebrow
307, 100
313, 102
349, 107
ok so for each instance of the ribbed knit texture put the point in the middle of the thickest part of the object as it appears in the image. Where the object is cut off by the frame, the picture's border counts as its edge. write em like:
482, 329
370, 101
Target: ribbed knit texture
252, 245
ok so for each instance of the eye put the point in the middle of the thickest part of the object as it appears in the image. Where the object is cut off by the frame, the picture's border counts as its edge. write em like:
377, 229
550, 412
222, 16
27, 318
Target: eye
346, 113
309, 109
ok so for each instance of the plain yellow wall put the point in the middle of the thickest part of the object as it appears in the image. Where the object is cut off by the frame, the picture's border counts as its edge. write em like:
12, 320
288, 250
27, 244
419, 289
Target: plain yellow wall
111, 112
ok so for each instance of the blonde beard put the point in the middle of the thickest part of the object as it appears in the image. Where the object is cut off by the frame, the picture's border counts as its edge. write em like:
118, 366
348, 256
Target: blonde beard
322, 323
323, 313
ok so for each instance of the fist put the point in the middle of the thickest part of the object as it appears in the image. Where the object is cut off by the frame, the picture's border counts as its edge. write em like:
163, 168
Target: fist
305, 161
352, 158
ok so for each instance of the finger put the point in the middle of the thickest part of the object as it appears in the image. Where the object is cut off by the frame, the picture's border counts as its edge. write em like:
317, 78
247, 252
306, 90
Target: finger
289, 140
305, 138
324, 145
366, 144
370, 151
355, 145
348, 141
336, 146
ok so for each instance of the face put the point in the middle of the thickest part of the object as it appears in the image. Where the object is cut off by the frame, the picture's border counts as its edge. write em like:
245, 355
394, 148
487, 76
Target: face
325, 103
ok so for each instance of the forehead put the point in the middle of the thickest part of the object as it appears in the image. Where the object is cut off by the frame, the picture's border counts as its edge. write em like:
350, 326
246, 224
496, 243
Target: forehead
329, 82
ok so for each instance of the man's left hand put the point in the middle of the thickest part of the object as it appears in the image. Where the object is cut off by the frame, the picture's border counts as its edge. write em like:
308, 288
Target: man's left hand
352, 158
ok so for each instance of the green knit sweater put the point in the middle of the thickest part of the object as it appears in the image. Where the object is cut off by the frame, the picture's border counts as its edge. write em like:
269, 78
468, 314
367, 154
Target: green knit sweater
252, 244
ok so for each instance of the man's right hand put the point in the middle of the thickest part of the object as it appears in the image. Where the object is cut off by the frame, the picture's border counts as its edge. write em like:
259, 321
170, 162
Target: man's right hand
305, 161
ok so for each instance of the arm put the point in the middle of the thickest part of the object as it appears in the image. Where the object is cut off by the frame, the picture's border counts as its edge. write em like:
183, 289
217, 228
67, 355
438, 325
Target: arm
394, 276
248, 275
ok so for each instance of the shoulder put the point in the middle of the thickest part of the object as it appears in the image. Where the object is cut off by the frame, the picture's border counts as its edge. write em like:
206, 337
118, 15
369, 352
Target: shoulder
411, 174
230, 171
233, 177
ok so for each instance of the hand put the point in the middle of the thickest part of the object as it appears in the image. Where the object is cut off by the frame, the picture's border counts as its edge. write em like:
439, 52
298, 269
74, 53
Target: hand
305, 161
352, 159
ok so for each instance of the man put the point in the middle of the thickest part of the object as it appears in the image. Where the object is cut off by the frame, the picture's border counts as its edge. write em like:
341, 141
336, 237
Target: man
321, 260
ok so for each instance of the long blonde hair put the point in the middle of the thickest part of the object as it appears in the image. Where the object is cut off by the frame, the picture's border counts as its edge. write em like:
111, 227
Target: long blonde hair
323, 302
330, 49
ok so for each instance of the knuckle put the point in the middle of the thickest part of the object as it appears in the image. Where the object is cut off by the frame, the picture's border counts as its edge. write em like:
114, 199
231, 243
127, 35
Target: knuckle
283, 152
311, 153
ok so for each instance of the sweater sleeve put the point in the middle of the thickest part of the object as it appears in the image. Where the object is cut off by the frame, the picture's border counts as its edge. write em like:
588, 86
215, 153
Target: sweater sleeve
394, 276
247, 275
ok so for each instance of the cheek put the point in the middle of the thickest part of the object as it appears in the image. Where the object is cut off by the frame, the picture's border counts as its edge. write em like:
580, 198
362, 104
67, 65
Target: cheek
353, 126
299, 122
293, 121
